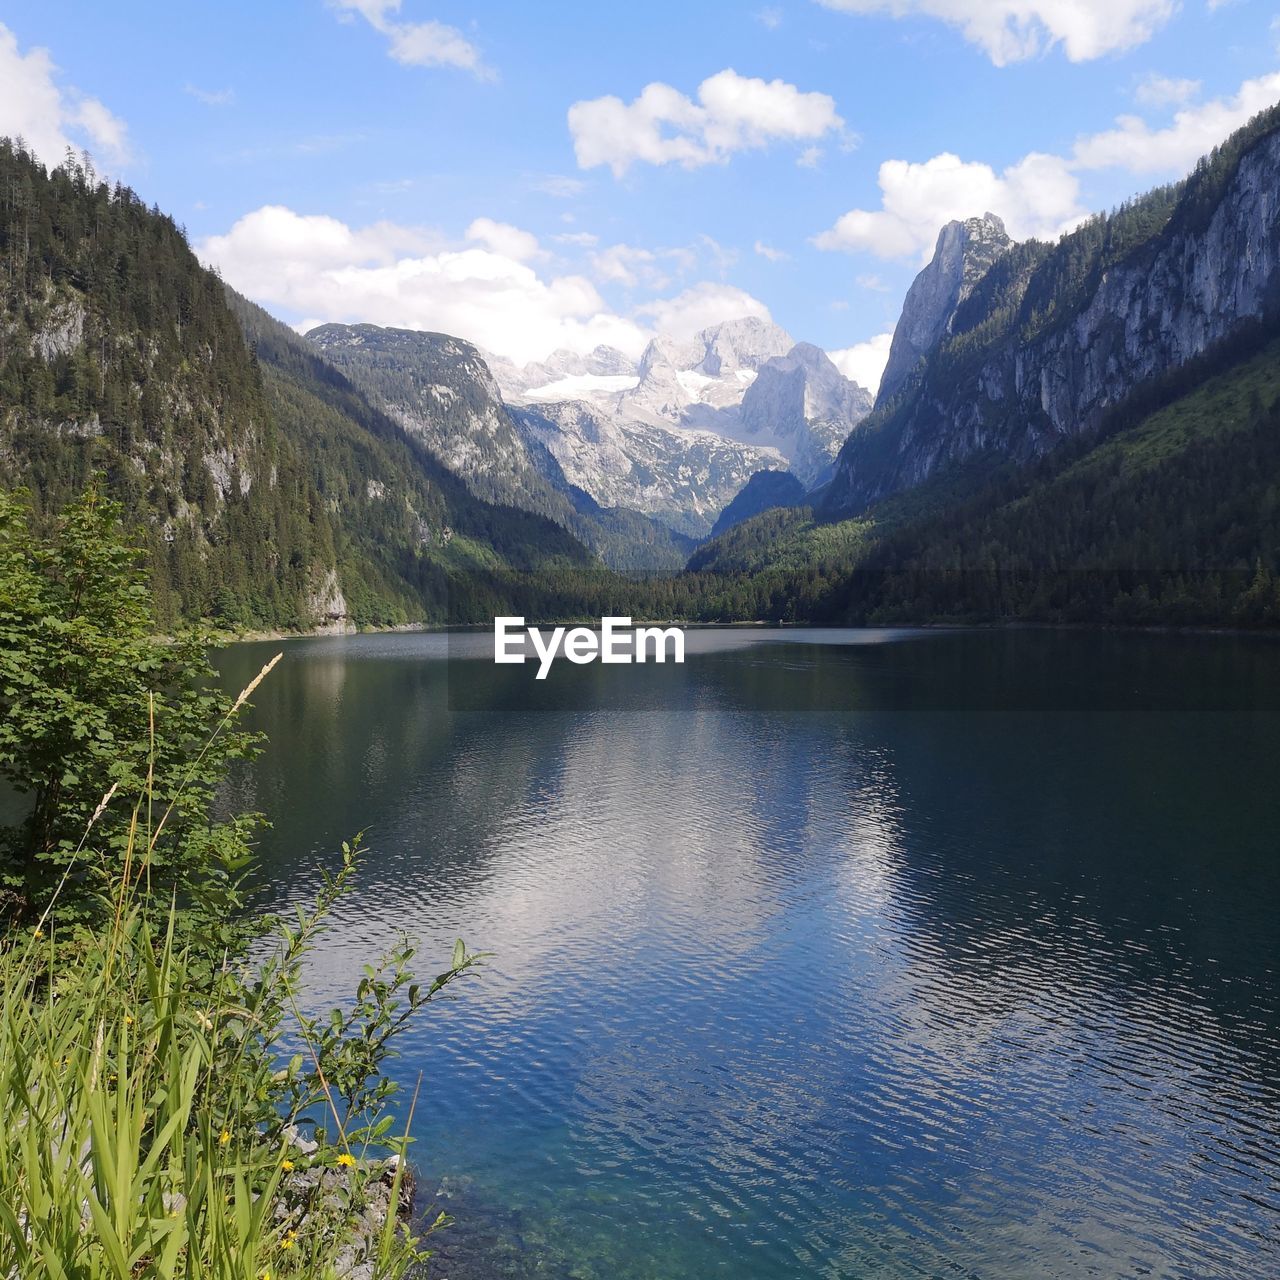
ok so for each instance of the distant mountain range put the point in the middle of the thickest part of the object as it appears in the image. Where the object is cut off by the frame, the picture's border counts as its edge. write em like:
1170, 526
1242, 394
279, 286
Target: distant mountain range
1086, 430
674, 436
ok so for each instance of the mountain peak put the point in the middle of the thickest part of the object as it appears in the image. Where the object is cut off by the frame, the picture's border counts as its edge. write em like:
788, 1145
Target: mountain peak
964, 253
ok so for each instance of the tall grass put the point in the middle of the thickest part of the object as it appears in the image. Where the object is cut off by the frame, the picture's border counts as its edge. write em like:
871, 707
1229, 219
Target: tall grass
150, 1124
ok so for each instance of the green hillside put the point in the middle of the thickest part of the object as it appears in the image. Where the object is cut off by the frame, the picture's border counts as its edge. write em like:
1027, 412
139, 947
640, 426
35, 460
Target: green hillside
264, 489
1169, 513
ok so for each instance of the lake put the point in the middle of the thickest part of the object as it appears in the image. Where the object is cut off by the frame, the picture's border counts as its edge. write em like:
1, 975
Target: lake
834, 954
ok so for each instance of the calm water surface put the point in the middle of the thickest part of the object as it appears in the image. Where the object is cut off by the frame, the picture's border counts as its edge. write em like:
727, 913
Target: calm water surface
827, 954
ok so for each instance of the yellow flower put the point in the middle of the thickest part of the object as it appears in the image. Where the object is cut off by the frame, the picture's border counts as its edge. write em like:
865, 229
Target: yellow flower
286, 1243
37, 933
346, 1160
287, 1165
128, 1019
224, 1137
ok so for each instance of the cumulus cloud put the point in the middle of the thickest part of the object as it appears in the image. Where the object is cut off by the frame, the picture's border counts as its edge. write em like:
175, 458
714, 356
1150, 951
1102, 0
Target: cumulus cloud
664, 126
770, 253
1012, 30
416, 44
51, 117
621, 264
1038, 196
864, 362
1155, 90
486, 289
699, 307
1135, 146
502, 238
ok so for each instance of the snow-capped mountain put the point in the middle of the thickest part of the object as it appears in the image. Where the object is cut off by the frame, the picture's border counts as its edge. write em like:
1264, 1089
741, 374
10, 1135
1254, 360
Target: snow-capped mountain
681, 476
641, 429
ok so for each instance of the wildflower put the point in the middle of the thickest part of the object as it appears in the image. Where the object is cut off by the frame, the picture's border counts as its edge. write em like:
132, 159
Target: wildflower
290, 1239
128, 1019
287, 1165
346, 1160
37, 933
224, 1137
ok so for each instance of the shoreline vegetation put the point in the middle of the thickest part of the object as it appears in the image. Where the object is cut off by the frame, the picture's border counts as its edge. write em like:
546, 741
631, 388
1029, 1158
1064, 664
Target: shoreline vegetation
169, 1106
219, 638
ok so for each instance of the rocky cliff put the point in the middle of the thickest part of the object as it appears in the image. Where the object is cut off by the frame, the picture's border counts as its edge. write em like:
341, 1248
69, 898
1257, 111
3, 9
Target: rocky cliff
679, 476
1051, 338
441, 391
803, 406
964, 253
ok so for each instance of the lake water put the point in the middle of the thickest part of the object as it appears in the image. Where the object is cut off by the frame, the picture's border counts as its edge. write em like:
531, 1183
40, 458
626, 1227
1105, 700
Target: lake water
833, 954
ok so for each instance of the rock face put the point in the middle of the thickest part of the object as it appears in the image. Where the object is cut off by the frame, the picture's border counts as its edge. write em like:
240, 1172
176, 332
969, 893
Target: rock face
964, 253
701, 382
763, 492
328, 606
440, 390
680, 476
1077, 327
803, 406
707, 411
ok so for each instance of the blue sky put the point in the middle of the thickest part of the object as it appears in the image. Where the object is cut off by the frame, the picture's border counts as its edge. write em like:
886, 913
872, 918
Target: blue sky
502, 171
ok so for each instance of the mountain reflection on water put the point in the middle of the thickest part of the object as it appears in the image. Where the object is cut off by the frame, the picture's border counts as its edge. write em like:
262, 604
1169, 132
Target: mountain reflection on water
834, 954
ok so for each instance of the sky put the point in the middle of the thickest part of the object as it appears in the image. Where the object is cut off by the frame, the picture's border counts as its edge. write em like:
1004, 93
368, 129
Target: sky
534, 176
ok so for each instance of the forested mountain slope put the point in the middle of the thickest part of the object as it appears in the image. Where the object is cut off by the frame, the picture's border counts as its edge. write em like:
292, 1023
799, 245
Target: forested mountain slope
118, 353
1168, 513
440, 390
1053, 337
1095, 436
266, 490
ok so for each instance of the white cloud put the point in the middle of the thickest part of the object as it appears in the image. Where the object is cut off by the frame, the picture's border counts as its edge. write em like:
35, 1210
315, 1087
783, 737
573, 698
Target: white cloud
631, 266
663, 126
699, 307
49, 117
579, 239
417, 44
1155, 90
809, 157
1135, 146
1011, 30
769, 17
618, 264
864, 362
504, 239
487, 290
210, 97
1038, 196
769, 252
